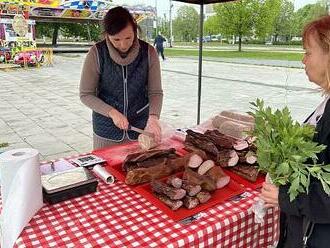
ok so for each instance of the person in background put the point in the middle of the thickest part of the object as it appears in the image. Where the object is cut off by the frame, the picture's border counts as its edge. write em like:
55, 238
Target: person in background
121, 82
305, 222
159, 43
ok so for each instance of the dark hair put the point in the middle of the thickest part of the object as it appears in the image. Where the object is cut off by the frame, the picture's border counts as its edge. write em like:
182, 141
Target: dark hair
117, 19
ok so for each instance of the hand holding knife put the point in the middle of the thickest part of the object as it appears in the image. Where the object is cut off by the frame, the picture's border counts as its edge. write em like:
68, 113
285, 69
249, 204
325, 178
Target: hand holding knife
141, 131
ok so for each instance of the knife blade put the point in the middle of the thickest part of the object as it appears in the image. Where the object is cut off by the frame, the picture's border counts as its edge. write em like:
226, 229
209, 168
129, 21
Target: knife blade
141, 131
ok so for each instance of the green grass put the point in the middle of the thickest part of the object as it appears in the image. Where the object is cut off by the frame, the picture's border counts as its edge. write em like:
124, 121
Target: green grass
271, 55
224, 44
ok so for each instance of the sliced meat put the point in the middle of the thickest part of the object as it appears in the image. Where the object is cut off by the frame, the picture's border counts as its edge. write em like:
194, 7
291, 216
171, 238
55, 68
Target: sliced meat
134, 158
239, 116
227, 158
202, 142
170, 192
174, 205
191, 190
241, 145
190, 202
251, 139
218, 176
194, 178
174, 181
190, 148
220, 140
248, 157
246, 171
234, 129
203, 196
146, 164
195, 161
205, 166
146, 142
144, 175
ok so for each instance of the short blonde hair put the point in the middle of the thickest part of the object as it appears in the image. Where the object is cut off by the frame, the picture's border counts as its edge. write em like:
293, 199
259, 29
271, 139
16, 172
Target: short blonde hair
320, 30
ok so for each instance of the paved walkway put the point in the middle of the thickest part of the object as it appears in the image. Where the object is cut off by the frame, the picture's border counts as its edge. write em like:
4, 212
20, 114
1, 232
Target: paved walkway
40, 107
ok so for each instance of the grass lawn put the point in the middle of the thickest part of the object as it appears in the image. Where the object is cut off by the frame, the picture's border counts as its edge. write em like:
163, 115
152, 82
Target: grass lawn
272, 55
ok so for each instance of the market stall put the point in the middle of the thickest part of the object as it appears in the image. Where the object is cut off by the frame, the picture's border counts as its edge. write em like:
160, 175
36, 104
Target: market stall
123, 213
116, 216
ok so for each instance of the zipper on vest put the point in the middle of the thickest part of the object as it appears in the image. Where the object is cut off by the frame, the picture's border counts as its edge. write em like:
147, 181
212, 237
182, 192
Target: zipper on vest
124, 70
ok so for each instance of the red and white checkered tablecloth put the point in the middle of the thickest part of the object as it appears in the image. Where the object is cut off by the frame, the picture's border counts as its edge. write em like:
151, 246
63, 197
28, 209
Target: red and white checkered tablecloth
116, 216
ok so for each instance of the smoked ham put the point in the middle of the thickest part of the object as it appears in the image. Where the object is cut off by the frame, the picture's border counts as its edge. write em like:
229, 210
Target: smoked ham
218, 175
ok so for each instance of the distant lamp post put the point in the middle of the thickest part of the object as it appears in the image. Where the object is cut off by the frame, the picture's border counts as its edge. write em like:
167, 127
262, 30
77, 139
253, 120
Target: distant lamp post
171, 24
156, 21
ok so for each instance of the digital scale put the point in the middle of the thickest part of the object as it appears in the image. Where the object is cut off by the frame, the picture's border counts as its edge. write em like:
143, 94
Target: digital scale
88, 160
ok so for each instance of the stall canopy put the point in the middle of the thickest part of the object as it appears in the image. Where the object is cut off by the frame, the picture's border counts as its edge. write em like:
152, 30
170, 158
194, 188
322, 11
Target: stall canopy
201, 18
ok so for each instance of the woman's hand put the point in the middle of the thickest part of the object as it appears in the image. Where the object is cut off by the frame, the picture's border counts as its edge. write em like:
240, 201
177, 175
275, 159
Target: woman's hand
118, 119
153, 126
269, 193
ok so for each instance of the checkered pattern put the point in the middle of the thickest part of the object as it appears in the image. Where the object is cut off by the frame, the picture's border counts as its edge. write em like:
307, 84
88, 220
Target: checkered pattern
116, 216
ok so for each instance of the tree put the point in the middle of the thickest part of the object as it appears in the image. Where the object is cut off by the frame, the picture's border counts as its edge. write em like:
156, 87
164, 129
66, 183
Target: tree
55, 33
284, 20
212, 25
308, 13
266, 13
247, 17
88, 31
185, 25
236, 18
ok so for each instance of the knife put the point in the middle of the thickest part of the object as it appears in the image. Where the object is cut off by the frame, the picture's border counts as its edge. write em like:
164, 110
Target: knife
141, 131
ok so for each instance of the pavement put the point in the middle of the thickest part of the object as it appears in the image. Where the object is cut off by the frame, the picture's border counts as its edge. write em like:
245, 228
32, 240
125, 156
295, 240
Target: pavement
40, 107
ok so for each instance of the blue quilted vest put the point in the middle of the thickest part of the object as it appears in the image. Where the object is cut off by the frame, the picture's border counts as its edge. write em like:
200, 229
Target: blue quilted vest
126, 89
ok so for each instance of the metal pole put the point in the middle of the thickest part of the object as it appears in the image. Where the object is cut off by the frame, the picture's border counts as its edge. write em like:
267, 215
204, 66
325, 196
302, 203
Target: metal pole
156, 17
89, 32
171, 24
201, 21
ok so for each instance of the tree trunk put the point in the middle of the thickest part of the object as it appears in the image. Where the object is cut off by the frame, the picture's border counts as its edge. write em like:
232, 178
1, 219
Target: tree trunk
89, 32
240, 43
55, 34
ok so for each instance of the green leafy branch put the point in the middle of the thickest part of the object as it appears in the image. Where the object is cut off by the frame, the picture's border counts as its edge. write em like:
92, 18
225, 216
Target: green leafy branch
286, 151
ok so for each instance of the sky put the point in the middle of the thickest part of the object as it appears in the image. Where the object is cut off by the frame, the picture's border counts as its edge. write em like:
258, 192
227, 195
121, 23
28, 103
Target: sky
163, 6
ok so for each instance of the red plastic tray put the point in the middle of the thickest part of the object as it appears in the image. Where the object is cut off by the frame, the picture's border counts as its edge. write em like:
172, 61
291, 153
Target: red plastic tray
115, 155
220, 195
253, 185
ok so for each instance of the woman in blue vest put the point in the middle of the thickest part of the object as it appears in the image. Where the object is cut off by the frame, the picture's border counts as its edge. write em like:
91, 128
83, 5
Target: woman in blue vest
121, 82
